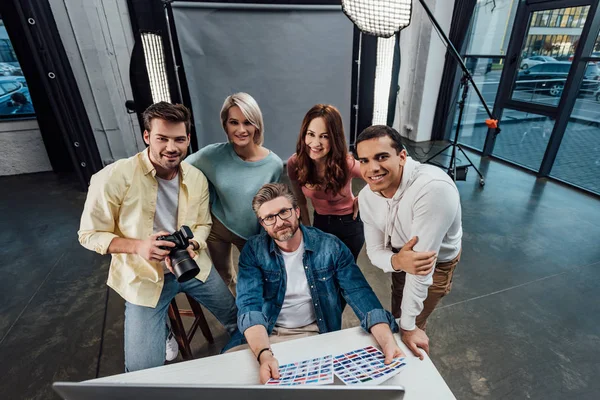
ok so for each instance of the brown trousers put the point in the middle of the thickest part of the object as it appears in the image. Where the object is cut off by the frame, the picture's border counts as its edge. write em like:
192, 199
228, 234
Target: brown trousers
219, 244
441, 286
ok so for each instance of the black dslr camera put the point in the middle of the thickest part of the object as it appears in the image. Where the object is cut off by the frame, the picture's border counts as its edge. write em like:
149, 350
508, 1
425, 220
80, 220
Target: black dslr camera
185, 267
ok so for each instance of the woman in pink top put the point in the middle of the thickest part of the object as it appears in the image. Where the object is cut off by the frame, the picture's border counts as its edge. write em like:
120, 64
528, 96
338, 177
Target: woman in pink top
322, 170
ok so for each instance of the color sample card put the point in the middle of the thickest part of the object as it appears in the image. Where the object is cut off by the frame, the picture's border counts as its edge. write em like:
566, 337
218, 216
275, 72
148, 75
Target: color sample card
365, 366
318, 371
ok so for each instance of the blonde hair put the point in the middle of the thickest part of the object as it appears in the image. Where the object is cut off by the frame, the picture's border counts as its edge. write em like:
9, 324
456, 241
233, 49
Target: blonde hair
271, 191
249, 108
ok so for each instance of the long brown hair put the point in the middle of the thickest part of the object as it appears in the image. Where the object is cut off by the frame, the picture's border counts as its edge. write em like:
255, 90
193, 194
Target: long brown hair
336, 171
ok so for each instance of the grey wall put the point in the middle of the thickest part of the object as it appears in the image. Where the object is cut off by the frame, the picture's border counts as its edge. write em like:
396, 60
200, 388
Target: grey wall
22, 150
287, 58
422, 62
98, 40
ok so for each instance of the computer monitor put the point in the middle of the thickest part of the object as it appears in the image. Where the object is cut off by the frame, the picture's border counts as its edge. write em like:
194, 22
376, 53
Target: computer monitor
127, 391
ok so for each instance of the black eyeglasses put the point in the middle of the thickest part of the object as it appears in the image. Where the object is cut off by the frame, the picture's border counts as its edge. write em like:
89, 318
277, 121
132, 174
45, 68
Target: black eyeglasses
283, 214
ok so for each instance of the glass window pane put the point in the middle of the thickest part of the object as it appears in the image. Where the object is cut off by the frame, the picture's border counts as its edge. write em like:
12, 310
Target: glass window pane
596, 51
564, 19
545, 18
491, 27
553, 18
578, 159
14, 92
583, 18
523, 138
545, 86
569, 21
576, 18
486, 74
10, 86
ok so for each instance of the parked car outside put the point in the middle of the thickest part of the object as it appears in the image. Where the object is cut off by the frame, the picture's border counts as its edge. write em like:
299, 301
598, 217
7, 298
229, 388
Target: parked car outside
8, 87
536, 60
550, 77
7, 69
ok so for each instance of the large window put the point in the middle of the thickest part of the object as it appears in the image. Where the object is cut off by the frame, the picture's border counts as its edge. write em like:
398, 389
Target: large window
572, 17
545, 65
578, 159
548, 94
485, 57
559, 47
15, 102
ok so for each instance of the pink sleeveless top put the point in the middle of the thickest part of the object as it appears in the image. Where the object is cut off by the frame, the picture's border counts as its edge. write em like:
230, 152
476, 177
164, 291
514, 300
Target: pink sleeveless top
327, 203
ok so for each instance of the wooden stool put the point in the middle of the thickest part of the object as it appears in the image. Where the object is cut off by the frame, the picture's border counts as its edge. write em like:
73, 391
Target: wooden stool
184, 338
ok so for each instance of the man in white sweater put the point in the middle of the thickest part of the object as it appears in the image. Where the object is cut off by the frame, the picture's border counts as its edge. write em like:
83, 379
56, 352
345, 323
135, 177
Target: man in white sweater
412, 222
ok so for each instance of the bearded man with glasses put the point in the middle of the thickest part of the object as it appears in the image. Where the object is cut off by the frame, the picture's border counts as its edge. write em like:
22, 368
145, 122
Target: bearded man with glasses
294, 281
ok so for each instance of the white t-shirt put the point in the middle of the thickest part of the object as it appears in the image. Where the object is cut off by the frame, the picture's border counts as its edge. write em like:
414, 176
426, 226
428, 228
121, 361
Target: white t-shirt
297, 309
167, 200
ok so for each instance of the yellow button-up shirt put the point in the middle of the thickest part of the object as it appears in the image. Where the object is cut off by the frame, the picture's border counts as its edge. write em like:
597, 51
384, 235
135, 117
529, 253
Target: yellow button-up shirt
121, 202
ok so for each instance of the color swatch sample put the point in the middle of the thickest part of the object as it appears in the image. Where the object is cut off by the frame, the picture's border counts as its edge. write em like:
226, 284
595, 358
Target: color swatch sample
318, 371
365, 366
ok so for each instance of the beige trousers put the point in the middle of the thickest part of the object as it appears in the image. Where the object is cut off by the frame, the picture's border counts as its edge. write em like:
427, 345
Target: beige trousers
219, 244
281, 334
441, 286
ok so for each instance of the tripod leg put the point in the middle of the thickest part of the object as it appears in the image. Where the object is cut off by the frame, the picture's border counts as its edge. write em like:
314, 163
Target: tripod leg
437, 154
461, 106
452, 166
470, 162
481, 178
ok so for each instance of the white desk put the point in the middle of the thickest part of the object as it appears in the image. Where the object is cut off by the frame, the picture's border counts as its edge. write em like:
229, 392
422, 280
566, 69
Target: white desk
420, 378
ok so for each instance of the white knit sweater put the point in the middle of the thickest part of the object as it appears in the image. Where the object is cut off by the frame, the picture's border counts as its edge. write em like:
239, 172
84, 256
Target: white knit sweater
427, 205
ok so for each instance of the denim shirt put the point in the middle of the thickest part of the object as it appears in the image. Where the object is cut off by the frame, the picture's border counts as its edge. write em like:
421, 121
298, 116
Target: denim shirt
333, 279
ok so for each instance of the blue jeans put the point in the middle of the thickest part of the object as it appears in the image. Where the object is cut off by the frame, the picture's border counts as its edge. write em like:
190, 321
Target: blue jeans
333, 278
145, 328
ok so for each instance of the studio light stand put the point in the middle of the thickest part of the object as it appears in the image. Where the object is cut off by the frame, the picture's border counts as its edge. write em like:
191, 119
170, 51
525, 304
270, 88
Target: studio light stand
384, 18
379, 18
459, 172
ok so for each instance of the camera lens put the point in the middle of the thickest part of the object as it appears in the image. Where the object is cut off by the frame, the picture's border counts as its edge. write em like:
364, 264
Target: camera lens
184, 266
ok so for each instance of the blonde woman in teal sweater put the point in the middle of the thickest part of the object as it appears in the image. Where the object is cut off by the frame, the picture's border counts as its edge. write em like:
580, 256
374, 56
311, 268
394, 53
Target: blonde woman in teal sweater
236, 170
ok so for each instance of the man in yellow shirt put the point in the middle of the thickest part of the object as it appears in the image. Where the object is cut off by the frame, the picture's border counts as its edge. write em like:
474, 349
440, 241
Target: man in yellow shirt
132, 202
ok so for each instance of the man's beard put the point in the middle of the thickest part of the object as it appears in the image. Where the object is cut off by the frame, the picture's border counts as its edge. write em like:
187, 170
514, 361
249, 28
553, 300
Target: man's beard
286, 232
169, 164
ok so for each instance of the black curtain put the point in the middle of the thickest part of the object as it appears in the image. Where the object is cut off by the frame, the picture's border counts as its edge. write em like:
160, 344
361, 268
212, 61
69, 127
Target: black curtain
368, 64
461, 19
394, 88
64, 124
148, 16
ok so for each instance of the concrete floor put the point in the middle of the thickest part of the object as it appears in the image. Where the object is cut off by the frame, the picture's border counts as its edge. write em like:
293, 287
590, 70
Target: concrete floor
522, 321
524, 139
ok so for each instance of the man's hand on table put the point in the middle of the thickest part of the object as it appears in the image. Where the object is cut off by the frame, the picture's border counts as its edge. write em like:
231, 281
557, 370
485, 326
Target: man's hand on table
385, 338
269, 367
415, 340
